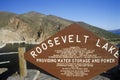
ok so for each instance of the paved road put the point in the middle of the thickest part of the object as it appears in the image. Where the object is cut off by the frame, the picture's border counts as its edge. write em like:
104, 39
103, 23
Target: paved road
7, 61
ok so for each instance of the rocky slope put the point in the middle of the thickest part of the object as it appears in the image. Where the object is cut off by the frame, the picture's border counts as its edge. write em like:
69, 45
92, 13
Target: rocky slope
36, 27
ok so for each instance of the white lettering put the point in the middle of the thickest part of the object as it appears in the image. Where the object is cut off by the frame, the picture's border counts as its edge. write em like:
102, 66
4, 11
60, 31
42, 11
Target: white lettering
116, 54
56, 40
105, 46
97, 44
64, 39
77, 39
86, 38
70, 37
50, 43
38, 50
111, 49
33, 54
44, 46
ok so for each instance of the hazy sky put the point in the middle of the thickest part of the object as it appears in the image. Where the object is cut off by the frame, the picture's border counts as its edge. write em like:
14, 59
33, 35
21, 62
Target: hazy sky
101, 13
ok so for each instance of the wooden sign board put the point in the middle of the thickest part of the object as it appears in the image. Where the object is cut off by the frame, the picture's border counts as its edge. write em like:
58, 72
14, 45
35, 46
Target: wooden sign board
74, 54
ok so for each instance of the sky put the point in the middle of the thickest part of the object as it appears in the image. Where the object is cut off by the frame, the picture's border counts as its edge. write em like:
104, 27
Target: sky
101, 13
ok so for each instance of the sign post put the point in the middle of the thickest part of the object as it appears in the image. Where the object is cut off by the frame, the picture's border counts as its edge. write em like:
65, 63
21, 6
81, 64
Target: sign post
22, 62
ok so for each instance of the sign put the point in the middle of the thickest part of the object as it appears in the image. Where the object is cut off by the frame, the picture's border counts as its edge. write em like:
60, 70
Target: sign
74, 54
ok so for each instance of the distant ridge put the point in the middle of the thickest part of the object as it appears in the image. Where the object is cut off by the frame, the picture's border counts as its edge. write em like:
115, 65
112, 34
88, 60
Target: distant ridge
117, 31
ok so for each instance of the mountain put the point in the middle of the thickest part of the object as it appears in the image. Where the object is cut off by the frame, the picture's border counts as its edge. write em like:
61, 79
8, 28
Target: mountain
117, 31
36, 27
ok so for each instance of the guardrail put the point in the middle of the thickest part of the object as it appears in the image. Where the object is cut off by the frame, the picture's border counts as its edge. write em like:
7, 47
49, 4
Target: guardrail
7, 53
4, 62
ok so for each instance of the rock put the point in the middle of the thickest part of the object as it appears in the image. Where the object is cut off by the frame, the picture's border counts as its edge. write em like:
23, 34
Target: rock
32, 75
2, 70
100, 78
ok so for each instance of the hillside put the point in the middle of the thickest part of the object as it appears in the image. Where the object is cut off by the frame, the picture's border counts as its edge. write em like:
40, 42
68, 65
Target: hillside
36, 27
100, 32
4, 18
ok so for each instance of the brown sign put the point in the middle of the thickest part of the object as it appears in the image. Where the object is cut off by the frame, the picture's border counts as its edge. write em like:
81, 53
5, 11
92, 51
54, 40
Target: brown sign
74, 54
